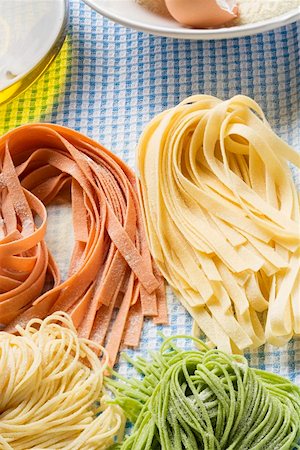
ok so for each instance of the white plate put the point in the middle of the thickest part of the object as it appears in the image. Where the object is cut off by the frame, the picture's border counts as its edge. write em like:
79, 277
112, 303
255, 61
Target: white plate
132, 15
31, 32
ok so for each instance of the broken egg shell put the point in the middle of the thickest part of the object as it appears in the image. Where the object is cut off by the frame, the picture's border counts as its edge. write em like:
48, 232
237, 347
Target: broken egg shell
201, 13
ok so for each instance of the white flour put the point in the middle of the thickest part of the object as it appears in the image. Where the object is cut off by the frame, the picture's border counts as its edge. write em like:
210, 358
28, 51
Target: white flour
156, 6
257, 10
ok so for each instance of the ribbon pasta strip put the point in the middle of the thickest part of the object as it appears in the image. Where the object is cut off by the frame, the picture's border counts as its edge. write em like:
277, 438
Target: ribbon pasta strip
52, 393
111, 267
222, 218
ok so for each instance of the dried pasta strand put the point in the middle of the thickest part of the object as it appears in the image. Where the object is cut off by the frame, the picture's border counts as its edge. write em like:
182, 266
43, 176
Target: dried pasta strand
52, 394
216, 186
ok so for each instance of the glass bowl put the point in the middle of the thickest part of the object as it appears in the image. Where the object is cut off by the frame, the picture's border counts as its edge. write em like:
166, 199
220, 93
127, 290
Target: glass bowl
32, 33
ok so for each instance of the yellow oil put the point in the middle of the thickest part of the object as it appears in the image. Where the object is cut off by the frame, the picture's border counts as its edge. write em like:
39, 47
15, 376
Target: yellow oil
20, 106
20, 85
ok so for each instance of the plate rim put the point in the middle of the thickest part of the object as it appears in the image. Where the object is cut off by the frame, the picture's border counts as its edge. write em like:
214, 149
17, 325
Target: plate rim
195, 34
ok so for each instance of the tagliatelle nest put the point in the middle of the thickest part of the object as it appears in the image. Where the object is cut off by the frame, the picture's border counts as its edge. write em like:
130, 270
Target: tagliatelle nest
222, 215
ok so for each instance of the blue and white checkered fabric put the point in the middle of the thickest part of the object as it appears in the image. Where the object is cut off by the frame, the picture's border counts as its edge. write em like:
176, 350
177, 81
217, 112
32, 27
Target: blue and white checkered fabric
119, 79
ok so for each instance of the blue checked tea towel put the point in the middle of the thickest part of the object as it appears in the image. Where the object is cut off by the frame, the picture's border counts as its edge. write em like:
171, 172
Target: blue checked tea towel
109, 81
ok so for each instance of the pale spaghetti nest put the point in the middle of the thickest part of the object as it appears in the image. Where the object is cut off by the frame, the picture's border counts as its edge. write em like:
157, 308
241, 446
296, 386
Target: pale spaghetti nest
51, 386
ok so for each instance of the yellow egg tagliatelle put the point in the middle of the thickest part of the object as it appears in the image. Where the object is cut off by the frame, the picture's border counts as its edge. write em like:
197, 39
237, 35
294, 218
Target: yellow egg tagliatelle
223, 219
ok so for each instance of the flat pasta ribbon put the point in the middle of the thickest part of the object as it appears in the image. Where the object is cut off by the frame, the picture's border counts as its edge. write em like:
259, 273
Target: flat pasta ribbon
110, 267
222, 218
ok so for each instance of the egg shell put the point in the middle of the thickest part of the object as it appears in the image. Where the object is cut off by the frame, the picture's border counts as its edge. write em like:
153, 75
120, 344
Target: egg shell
200, 13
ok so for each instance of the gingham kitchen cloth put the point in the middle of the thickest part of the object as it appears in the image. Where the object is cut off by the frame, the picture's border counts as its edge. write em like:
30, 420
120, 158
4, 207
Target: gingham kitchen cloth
109, 81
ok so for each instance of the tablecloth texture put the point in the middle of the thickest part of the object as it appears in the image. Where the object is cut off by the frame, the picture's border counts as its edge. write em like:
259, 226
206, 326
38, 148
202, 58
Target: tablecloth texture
109, 81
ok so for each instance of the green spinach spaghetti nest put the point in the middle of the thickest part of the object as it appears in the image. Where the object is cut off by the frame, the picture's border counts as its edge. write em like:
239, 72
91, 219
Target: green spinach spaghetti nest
206, 399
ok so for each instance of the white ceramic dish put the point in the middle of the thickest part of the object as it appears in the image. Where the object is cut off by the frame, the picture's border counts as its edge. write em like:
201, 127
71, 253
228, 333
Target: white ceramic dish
132, 15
